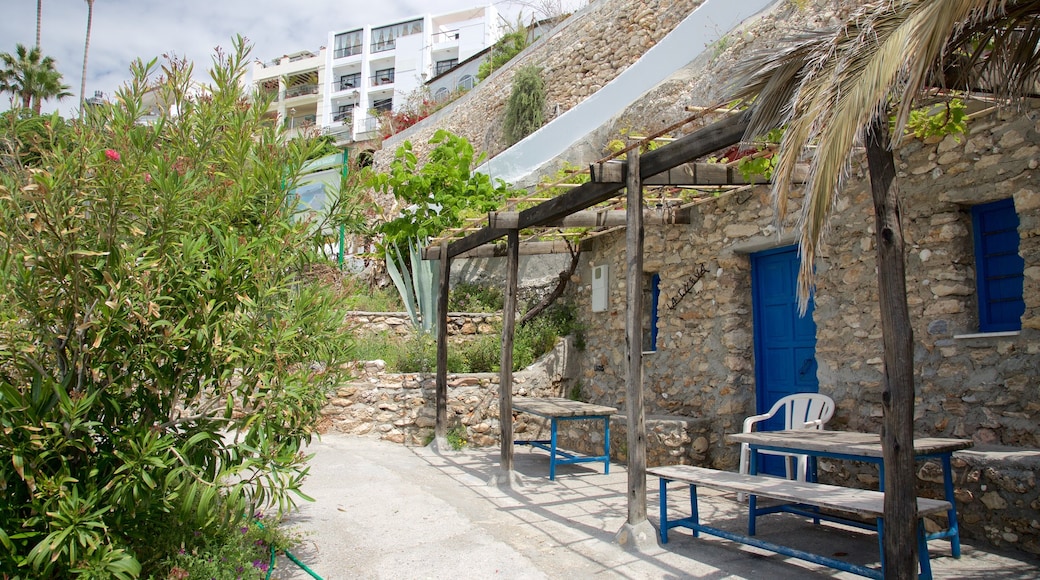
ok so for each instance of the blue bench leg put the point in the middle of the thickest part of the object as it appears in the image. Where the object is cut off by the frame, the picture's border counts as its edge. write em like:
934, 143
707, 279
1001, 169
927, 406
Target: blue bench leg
663, 486
694, 514
552, 450
922, 552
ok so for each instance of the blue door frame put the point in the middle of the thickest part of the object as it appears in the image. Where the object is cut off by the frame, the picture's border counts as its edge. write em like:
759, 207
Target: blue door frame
785, 343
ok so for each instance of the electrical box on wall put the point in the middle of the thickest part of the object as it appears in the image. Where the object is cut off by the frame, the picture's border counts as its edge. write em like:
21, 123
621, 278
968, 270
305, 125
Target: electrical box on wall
599, 288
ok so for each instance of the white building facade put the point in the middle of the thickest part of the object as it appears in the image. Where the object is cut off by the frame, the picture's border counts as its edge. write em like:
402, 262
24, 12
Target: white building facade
295, 83
377, 68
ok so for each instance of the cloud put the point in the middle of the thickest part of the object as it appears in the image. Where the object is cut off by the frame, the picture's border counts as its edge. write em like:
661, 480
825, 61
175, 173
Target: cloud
123, 30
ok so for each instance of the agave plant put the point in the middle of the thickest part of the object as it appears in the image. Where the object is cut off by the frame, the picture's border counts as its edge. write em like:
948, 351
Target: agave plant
415, 280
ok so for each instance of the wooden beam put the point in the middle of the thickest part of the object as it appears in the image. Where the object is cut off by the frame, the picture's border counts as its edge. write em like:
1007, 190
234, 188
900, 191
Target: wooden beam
592, 218
441, 426
500, 250
505, 381
697, 144
634, 346
718, 135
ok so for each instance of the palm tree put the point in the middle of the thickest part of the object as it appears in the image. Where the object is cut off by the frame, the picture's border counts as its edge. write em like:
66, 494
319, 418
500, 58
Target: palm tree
39, 20
31, 78
834, 90
86, 49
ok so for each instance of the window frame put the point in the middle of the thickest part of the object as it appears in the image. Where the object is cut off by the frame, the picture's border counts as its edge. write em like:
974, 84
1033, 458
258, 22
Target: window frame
989, 221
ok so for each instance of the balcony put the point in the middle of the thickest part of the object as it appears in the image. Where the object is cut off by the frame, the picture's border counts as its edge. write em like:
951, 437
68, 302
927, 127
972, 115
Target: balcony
384, 46
382, 78
300, 90
344, 131
347, 51
300, 120
345, 117
348, 82
446, 36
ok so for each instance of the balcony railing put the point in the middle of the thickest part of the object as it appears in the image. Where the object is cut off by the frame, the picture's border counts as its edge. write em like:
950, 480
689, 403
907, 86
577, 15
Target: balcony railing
345, 130
351, 83
446, 36
300, 90
346, 117
383, 78
348, 51
384, 45
300, 121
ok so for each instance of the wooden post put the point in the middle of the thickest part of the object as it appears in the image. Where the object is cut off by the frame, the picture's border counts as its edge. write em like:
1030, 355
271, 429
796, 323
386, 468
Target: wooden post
897, 395
505, 381
634, 346
441, 427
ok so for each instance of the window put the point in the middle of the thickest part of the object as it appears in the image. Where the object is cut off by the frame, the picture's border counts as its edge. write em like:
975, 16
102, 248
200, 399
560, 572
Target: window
383, 105
442, 94
466, 83
385, 38
998, 267
444, 66
348, 43
651, 296
383, 77
352, 81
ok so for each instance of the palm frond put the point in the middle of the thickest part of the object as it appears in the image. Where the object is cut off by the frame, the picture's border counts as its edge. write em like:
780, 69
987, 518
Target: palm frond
826, 86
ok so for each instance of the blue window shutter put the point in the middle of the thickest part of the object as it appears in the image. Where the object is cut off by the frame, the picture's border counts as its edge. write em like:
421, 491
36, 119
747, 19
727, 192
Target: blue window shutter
998, 266
655, 297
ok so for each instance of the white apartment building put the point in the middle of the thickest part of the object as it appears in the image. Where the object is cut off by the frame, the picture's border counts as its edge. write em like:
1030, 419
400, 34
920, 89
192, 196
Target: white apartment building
378, 67
295, 81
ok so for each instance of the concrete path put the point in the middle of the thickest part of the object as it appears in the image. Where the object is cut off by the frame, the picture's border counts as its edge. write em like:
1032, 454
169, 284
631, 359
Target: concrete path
383, 510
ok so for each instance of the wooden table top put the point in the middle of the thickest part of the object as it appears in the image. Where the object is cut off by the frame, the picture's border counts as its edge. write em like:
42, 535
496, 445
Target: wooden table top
844, 442
559, 407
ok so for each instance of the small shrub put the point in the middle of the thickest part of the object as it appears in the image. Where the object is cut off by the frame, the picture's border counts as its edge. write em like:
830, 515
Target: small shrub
525, 109
457, 437
377, 346
242, 553
484, 353
468, 297
360, 295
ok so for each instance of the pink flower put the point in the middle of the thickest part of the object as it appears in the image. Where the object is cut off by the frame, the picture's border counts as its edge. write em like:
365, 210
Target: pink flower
112, 154
147, 176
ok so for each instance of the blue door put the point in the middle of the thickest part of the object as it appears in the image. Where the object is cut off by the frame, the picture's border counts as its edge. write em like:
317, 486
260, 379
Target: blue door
785, 343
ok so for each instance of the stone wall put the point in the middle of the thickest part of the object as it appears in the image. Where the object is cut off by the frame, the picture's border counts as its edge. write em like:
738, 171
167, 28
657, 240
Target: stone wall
460, 324
578, 57
700, 383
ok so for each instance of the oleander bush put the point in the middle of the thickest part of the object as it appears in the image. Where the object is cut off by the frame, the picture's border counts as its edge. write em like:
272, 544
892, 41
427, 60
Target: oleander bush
163, 354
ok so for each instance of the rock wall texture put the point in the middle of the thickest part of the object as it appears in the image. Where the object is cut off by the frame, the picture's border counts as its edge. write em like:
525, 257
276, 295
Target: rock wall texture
577, 58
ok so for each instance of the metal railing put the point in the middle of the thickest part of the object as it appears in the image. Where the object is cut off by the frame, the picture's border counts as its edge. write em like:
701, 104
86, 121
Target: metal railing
347, 117
352, 82
384, 45
446, 36
382, 78
300, 90
348, 51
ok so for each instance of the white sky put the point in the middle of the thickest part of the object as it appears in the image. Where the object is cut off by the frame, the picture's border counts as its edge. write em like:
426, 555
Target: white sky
123, 30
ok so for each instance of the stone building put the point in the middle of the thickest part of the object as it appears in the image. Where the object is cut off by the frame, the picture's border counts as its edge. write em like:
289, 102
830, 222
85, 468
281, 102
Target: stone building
977, 375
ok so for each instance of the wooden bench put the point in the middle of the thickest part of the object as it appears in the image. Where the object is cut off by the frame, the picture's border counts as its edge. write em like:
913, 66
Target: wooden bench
803, 497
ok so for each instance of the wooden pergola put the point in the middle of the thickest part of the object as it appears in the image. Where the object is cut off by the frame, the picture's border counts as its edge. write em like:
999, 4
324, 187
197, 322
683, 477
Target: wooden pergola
668, 165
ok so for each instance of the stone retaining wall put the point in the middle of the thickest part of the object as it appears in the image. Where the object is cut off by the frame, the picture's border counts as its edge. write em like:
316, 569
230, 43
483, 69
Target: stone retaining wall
459, 323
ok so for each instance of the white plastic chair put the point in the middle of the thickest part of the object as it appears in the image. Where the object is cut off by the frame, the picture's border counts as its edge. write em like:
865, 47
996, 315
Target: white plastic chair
801, 411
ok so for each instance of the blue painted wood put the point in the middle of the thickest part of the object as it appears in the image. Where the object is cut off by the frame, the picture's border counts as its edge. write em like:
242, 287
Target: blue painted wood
998, 265
655, 297
785, 342
693, 524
